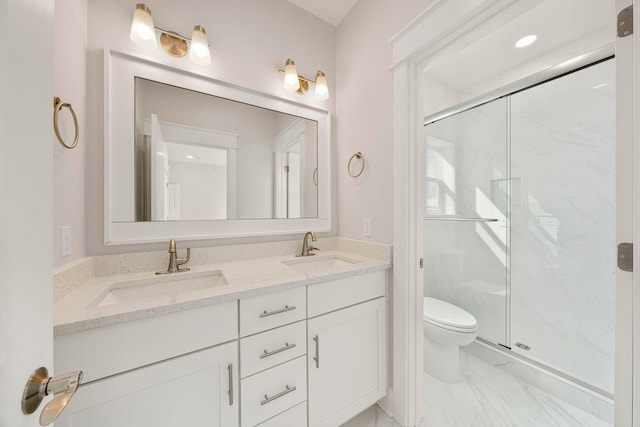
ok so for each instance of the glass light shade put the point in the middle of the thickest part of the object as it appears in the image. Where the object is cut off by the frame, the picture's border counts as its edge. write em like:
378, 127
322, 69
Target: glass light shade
199, 50
322, 90
142, 32
291, 82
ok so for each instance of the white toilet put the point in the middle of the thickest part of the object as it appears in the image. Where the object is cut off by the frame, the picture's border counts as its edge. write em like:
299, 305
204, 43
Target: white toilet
446, 327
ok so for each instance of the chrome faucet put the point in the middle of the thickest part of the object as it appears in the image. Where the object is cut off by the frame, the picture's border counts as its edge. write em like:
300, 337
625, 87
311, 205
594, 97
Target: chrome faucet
305, 244
174, 261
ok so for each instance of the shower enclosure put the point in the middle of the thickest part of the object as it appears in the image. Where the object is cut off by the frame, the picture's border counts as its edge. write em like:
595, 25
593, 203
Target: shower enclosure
520, 221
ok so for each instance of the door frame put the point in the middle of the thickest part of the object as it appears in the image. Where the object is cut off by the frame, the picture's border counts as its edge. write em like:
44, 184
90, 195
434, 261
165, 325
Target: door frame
442, 28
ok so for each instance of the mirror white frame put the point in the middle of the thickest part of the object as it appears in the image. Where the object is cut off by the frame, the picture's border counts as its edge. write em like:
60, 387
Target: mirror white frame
120, 70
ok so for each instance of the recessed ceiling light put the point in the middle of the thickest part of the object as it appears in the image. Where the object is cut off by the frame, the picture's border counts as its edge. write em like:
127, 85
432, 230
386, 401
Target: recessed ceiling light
526, 40
190, 157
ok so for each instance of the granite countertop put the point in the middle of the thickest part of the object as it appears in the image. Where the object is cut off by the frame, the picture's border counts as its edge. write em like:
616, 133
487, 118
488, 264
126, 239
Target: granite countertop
78, 311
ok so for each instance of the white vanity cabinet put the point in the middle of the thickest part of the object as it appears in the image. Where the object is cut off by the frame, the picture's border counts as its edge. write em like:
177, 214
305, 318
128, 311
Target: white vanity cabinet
346, 348
198, 389
309, 356
178, 369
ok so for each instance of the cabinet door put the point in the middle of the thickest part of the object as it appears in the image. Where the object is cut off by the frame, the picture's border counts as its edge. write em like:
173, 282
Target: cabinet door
347, 364
198, 389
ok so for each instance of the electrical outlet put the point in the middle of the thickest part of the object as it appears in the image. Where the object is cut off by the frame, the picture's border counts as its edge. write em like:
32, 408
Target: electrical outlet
65, 240
366, 227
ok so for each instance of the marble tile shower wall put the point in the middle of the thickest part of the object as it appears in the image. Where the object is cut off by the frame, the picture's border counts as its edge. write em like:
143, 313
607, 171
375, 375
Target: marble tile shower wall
556, 261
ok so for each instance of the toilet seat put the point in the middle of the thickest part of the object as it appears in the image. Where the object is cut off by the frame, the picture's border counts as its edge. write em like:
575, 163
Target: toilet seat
448, 316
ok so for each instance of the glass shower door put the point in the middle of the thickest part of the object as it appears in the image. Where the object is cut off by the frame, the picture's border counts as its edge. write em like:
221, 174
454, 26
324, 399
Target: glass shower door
563, 229
465, 222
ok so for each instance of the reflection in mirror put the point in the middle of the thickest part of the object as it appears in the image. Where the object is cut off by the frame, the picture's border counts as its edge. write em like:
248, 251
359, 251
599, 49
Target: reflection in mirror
202, 157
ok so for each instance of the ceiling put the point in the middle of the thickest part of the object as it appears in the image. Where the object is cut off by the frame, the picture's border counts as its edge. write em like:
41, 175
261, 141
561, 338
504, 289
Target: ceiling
331, 11
558, 24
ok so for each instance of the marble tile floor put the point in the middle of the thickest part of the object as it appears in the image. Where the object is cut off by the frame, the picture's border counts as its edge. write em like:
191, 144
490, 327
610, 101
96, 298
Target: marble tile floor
490, 397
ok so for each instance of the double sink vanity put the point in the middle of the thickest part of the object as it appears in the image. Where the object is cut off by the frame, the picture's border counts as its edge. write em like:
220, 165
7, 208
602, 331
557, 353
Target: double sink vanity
275, 341
251, 334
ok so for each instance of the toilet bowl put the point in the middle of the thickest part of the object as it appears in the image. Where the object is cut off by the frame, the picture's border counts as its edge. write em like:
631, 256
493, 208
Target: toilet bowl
446, 327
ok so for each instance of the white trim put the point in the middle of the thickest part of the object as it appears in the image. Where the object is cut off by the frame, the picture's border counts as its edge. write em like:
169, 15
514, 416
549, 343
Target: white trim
452, 25
288, 136
175, 132
626, 228
181, 134
407, 296
120, 70
635, 392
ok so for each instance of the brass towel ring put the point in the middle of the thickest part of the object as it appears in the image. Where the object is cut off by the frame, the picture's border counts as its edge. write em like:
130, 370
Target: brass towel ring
315, 177
57, 106
358, 155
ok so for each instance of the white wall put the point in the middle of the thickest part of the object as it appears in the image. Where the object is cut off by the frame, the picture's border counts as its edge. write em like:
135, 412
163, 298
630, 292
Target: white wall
250, 40
70, 80
203, 189
365, 112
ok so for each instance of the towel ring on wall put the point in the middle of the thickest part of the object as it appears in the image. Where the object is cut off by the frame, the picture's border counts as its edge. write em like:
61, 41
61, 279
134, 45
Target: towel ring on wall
315, 177
57, 106
358, 155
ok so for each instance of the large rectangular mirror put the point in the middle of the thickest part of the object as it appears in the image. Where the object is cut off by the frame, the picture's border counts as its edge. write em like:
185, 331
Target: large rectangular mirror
202, 157
190, 157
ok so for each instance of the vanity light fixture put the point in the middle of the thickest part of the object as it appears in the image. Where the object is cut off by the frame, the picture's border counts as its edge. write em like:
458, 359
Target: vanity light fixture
174, 44
296, 83
142, 29
291, 80
526, 41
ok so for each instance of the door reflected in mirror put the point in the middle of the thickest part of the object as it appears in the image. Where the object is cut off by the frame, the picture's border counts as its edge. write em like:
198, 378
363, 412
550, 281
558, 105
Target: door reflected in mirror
203, 157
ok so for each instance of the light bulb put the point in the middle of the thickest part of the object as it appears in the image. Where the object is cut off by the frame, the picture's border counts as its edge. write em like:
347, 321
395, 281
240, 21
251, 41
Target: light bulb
199, 51
322, 90
142, 31
291, 82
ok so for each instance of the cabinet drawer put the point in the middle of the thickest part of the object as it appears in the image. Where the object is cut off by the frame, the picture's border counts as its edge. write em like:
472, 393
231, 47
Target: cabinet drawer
270, 348
271, 392
294, 417
109, 350
340, 293
269, 311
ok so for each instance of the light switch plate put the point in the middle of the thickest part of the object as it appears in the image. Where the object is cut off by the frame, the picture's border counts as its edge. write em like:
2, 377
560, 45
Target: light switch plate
65, 240
366, 227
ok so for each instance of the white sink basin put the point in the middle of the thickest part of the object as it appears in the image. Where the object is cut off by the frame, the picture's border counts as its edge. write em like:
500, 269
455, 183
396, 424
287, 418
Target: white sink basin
170, 286
319, 264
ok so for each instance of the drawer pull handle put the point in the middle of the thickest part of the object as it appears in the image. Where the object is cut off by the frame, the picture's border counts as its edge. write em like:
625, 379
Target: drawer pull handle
286, 391
230, 368
317, 356
282, 310
286, 347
